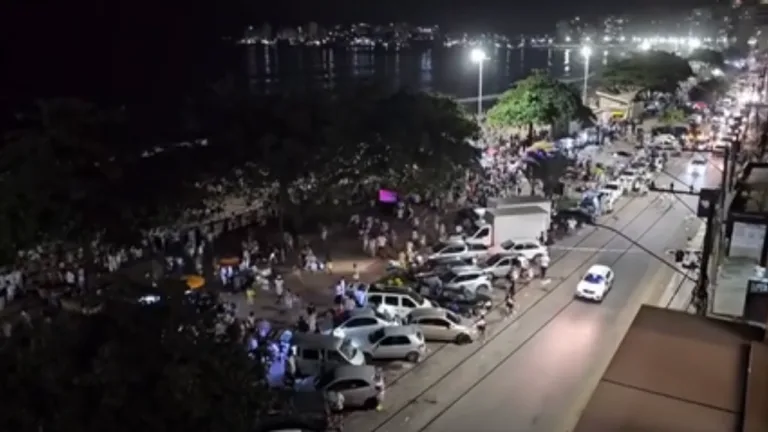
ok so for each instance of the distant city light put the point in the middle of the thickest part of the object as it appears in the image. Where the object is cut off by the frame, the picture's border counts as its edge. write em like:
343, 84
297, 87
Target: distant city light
568, 39
478, 56
645, 45
586, 51
694, 43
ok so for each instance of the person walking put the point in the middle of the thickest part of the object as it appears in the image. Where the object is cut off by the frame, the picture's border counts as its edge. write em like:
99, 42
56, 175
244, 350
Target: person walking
544, 266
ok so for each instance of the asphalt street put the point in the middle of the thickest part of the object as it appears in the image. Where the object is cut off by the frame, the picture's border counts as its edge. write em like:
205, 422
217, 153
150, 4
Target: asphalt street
536, 370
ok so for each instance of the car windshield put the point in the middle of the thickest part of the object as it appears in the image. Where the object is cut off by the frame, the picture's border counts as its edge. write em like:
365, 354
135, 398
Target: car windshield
438, 247
698, 162
638, 165
627, 173
376, 336
323, 380
452, 317
612, 186
594, 278
416, 297
447, 276
493, 260
509, 244
348, 349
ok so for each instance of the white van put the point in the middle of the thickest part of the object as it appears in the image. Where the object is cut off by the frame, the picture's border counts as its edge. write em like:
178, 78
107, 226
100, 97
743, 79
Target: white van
316, 353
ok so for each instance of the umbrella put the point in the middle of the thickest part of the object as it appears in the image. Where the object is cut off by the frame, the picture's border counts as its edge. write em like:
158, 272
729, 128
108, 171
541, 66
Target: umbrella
193, 281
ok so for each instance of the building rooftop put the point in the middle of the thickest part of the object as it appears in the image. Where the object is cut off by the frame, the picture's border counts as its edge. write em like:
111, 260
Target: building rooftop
679, 372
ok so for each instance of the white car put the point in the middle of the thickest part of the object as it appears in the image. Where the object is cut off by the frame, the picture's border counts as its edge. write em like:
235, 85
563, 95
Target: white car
628, 177
697, 167
614, 188
469, 281
458, 249
357, 323
529, 249
596, 283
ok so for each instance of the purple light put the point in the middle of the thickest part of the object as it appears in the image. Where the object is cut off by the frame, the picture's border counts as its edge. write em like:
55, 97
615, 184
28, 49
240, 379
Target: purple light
387, 196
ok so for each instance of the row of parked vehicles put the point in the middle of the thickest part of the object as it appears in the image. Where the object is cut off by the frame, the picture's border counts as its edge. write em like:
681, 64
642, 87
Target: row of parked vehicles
405, 310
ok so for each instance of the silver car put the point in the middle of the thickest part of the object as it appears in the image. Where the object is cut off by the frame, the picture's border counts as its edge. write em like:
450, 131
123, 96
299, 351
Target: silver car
395, 343
442, 325
458, 250
359, 323
469, 281
361, 386
501, 264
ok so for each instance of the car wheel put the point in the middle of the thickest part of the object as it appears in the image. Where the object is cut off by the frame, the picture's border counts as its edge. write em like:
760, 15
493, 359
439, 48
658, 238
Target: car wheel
371, 403
368, 358
413, 357
463, 339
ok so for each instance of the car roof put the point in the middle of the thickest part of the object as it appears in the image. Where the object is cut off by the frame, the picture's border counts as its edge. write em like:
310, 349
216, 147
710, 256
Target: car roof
465, 269
599, 269
361, 312
459, 271
404, 330
365, 372
427, 312
389, 290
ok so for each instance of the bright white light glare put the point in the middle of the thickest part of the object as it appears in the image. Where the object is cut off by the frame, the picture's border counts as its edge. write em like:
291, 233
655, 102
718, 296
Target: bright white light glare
568, 39
694, 43
717, 72
586, 51
645, 45
477, 55
606, 38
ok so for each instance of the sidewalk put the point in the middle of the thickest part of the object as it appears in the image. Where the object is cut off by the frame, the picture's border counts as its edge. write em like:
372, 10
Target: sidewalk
678, 293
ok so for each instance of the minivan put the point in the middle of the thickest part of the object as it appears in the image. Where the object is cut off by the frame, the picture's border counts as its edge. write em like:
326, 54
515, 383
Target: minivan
316, 353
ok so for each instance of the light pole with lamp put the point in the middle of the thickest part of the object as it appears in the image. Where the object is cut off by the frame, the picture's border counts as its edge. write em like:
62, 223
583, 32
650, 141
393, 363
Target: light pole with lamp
478, 56
586, 52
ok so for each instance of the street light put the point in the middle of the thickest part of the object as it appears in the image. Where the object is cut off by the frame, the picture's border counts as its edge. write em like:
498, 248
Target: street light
586, 52
478, 56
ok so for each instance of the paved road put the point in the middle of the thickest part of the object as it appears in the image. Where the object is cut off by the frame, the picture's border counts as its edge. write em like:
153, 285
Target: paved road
536, 370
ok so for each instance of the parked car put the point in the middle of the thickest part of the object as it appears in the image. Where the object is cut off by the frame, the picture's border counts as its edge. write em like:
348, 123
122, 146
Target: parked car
614, 188
442, 325
466, 280
458, 250
395, 343
529, 249
596, 283
361, 386
501, 264
357, 323
397, 301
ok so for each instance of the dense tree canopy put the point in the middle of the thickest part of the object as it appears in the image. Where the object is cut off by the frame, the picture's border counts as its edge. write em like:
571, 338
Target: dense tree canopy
711, 57
657, 71
74, 171
131, 367
538, 100
708, 91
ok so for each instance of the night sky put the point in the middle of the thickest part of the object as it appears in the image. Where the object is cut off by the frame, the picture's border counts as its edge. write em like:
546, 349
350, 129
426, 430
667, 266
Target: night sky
109, 49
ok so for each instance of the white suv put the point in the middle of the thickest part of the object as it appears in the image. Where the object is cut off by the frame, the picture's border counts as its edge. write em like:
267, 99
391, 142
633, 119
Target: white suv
531, 250
467, 280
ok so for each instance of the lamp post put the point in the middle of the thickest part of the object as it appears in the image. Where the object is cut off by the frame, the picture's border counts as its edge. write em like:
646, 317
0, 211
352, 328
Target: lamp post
586, 52
478, 56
